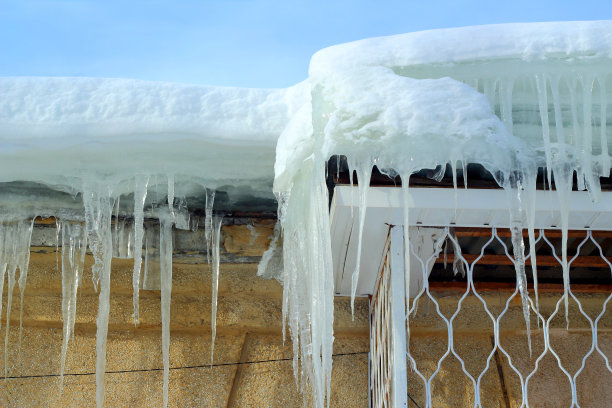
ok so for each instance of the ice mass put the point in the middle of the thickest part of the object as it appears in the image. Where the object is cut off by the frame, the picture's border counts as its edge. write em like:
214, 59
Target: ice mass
514, 98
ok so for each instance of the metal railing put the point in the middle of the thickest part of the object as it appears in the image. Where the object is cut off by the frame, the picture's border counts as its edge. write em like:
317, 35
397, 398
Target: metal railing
384, 368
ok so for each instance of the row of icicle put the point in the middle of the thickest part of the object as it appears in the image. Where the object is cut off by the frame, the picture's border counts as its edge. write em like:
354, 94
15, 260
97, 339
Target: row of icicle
97, 235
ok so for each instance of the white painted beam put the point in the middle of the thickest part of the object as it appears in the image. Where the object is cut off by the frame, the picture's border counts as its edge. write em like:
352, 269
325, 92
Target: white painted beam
438, 207
399, 391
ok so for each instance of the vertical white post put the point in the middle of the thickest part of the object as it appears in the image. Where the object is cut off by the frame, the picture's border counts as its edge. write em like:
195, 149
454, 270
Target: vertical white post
399, 392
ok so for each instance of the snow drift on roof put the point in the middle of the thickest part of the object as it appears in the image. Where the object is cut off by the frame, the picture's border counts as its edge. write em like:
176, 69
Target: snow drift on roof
526, 41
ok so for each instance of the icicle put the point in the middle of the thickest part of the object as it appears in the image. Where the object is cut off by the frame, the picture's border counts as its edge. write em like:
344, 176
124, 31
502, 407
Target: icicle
554, 87
603, 102
216, 235
308, 287
530, 192
116, 229
16, 237
4, 254
518, 247
98, 210
9, 301
74, 245
58, 227
25, 235
123, 239
210, 202
171, 193
563, 181
140, 196
364, 172
165, 258
268, 266
592, 182
543, 105
564, 207
465, 176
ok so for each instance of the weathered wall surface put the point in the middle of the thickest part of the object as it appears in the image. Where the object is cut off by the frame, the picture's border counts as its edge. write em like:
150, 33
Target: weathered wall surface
252, 367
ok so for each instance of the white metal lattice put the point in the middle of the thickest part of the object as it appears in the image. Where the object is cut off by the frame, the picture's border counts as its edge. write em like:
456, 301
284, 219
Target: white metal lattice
382, 343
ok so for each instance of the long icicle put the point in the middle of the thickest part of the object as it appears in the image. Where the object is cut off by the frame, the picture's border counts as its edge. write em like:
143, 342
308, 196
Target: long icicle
16, 254
74, 242
364, 172
518, 247
216, 235
541, 81
606, 161
25, 235
140, 196
98, 210
165, 263
3, 261
208, 227
530, 190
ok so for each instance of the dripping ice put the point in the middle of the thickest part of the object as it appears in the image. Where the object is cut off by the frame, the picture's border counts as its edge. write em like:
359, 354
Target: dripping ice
74, 246
15, 238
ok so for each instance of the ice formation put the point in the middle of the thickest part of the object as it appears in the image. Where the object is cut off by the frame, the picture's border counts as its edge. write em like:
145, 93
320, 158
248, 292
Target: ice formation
15, 240
513, 98
74, 247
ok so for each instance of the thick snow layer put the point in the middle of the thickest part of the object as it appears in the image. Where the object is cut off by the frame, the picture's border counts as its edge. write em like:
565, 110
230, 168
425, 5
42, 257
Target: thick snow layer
73, 110
52, 129
528, 41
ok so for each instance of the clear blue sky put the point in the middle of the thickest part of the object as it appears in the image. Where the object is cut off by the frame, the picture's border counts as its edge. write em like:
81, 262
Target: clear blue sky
254, 43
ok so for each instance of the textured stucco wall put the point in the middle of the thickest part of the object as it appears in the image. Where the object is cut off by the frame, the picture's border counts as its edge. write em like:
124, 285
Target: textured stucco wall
252, 366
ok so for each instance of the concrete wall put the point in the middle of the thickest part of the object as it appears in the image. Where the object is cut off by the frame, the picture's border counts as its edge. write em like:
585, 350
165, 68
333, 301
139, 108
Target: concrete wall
252, 367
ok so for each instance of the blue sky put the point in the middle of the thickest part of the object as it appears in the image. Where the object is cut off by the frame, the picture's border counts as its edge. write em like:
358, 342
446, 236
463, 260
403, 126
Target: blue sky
253, 43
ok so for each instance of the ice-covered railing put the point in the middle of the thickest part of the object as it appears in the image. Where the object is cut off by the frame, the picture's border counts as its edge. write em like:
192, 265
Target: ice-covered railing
513, 98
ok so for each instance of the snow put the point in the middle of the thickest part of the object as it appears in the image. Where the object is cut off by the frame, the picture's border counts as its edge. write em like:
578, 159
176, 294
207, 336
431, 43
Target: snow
513, 98
56, 129
528, 42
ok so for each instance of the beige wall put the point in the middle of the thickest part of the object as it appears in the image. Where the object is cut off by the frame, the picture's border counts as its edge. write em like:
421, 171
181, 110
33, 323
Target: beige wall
252, 367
